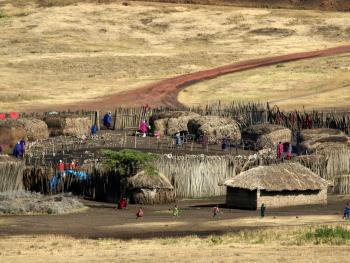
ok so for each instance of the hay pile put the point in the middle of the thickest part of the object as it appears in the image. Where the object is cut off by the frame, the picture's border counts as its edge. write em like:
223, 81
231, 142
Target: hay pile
11, 174
68, 126
9, 136
21, 202
172, 122
215, 127
318, 139
150, 189
266, 135
35, 129
278, 177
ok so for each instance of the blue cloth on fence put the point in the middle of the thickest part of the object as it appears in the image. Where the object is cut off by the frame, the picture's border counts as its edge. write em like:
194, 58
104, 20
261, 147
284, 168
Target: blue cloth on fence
82, 175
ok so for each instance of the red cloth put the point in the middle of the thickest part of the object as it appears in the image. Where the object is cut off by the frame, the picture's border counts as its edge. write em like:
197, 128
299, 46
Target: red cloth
60, 167
14, 115
2, 116
279, 150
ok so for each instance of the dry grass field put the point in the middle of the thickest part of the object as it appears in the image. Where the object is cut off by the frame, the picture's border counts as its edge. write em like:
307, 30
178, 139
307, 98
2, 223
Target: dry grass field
268, 245
52, 55
316, 83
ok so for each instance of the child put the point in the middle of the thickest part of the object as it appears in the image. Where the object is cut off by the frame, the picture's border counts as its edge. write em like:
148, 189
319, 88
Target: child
262, 210
140, 213
216, 211
175, 211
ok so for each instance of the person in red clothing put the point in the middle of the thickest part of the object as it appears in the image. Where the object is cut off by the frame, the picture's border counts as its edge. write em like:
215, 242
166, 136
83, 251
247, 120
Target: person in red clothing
140, 213
122, 203
60, 168
280, 150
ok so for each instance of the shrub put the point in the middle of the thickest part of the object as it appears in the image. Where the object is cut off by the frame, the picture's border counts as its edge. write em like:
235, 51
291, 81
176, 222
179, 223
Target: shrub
2, 13
328, 235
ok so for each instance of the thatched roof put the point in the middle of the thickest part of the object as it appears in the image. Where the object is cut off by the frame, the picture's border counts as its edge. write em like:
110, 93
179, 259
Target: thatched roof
278, 177
319, 133
143, 180
267, 135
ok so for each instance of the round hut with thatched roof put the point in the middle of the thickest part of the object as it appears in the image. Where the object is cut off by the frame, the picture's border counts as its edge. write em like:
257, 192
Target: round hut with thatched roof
265, 135
149, 189
279, 185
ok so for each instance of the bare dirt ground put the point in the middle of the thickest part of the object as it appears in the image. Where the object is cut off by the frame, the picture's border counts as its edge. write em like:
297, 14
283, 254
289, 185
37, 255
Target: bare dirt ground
66, 55
105, 234
102, 220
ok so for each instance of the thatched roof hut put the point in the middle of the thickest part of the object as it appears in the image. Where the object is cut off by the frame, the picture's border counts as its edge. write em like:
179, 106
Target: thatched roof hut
171, 122
150, 189
68, 126
285, 184
323, 138
215, 127
266, 135
35, 129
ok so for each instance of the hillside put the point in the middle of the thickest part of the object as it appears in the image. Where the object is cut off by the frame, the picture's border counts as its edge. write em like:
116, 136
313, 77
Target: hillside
61, 55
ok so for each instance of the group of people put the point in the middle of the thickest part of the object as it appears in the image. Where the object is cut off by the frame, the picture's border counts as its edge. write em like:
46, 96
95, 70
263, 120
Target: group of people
62, 167
280, 151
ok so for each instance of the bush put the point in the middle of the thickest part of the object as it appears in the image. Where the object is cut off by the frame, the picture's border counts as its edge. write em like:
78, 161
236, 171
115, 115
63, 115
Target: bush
328, 235
127, 162
51, 3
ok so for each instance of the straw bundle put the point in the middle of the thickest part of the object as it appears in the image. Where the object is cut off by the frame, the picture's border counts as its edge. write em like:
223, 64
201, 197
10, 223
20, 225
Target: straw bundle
68, 126
278, 177
215, 127
11, 174
266, 135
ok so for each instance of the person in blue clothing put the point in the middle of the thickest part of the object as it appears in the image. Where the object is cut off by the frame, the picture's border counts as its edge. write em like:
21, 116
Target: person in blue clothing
178, 140
17, 150
93, 129
347, 211
107, 120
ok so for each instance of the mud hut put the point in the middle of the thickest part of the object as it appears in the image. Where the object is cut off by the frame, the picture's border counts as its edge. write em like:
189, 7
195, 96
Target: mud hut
150, 189
11, 174
68, 126
279, 185
215, 127
263, 136
171, 122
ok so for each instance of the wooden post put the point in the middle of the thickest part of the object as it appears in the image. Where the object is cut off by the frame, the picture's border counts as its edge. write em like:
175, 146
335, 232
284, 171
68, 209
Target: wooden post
115, 119
135, 142
97, 120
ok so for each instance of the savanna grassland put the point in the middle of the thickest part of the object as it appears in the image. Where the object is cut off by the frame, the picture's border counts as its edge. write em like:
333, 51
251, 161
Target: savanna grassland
56, 54
317, 244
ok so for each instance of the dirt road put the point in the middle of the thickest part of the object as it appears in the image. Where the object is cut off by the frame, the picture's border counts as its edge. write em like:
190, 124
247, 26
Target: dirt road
164, 93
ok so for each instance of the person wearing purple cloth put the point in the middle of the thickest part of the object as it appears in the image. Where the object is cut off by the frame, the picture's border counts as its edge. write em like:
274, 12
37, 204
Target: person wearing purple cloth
22, 142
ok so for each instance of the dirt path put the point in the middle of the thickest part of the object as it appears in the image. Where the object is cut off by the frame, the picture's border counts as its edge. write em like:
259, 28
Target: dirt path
102, 220
164, 93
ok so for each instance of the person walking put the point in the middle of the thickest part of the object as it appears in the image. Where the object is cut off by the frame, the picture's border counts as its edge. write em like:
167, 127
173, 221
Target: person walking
140, 213
107, 120
175, 211
178, 140
216, 211
347, 212
17, 150
289, 152
262, 210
